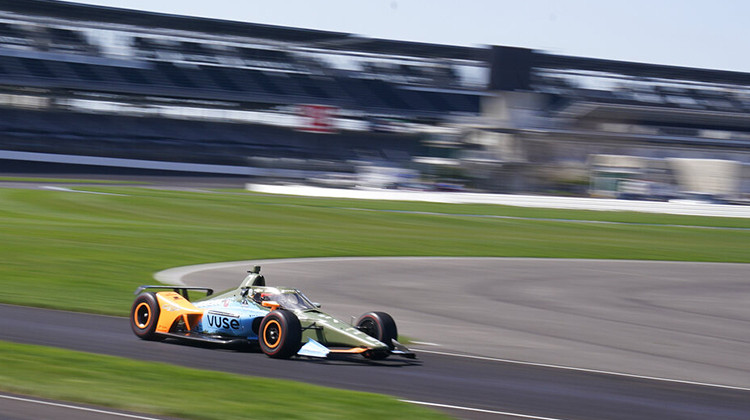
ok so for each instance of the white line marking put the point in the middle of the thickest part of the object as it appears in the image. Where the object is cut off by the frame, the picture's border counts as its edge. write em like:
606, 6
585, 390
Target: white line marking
73, 407
479, 410
66, 189
603, 372
425, 343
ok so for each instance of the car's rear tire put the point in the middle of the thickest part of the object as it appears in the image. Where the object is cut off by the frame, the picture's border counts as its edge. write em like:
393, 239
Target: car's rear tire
144, 315
380, 326
280, 334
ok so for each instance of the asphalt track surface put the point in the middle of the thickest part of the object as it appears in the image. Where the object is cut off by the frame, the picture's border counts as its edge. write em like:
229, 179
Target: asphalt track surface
684, 322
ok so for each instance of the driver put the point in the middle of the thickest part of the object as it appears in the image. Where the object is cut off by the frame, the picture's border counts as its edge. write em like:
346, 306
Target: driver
285, 300
259, 297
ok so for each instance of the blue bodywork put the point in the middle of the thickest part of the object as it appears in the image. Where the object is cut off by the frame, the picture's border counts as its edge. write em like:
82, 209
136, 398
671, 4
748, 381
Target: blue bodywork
232, 317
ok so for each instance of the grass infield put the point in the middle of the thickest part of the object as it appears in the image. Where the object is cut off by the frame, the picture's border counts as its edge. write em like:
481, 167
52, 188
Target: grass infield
168, 390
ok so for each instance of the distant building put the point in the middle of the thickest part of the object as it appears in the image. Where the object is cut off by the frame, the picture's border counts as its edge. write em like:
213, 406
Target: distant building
549, 113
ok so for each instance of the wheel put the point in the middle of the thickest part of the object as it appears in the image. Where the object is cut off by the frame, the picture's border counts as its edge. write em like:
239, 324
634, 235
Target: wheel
144, 316
280, 334
380, 326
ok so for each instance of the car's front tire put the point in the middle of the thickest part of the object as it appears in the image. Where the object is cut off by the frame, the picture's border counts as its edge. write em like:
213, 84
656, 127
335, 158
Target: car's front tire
144, 315
280, 334
380, 326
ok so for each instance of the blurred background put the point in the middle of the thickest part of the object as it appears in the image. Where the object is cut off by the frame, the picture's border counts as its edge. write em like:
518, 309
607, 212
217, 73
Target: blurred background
90, 89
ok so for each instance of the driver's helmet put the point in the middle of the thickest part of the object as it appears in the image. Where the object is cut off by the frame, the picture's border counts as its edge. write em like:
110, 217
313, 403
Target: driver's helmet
274, 297
261, 296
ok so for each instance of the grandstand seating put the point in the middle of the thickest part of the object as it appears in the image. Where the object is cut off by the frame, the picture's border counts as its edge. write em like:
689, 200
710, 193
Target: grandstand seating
186, 141
196, 68
231, 83
656, 95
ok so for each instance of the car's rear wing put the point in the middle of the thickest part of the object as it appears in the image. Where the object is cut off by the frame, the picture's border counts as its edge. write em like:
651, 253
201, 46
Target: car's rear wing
182, 290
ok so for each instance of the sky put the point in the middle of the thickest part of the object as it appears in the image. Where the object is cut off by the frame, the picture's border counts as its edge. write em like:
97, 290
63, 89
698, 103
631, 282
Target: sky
711, 34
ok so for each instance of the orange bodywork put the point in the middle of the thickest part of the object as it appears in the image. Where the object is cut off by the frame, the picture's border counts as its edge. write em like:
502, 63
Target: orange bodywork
172, 307
269, 304
353, 350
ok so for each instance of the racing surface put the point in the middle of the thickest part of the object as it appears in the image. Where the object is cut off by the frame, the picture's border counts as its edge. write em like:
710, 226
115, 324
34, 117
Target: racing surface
683, 321
677, 320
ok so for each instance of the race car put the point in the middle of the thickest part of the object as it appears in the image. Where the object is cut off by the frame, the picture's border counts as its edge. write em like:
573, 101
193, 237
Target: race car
281, 320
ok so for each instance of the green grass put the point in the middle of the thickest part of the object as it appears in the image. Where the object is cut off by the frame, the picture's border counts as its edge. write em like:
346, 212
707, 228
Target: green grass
169, 390
88, 252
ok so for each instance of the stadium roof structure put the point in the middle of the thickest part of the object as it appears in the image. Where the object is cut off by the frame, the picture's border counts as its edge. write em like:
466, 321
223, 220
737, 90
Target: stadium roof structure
103, 14
657, 71
512, 68
407, 48
347, 42
308, 37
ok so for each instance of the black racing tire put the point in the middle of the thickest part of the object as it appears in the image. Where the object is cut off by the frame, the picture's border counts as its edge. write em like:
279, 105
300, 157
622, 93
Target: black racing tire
280, 334
144, 316
380, 326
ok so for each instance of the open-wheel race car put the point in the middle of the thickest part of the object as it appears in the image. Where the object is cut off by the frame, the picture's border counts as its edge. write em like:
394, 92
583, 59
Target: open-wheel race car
282, 320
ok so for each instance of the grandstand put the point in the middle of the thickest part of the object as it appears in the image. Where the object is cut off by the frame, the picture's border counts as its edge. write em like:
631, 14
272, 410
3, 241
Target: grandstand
96, 81
259, 100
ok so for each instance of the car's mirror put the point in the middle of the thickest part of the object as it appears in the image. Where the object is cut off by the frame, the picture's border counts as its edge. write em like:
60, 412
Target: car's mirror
317, 305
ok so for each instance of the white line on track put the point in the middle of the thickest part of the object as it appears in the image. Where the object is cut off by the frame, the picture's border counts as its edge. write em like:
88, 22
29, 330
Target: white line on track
75, 407
66, 189
602, 372
479, 410
425, 343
